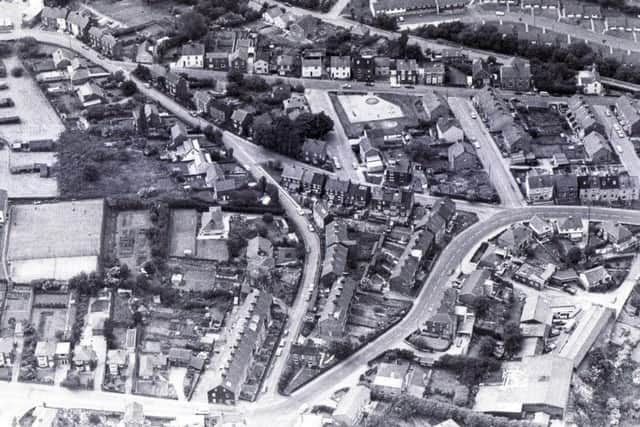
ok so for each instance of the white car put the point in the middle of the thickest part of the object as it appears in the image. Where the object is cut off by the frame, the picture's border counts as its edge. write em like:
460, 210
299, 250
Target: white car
619, 148
476, 144
616, 126
346, 86
474, 116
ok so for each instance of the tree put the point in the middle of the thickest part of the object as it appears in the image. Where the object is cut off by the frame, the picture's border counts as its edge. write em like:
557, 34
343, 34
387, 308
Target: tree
143, 126
386, 22
235, 76
315, 126
267, 218
90, 173
128, 88
487, 345
512, 337
481, 305
142, 72
574, 255
192, 25
182, 91
635, 302
341, 349
17, 71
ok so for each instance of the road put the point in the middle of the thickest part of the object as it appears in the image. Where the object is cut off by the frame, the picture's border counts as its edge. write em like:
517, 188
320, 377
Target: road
628, 156
489, 154
339, 145
280, 410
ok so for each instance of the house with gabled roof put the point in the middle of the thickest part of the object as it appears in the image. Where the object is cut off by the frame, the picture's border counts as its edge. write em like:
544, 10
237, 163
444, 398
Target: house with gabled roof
332, 320
314, 151
595, 277
542, 229
571, 228
618, 235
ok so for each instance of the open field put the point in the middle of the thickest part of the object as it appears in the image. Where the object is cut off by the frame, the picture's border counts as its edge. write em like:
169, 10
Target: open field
132, 244
50, 230
54, 240
135, 12
365, 108
182, 231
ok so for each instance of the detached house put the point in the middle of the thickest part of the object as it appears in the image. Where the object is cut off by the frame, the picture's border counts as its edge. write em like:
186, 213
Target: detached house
78, 23
516, 75
539, 187
618, 235
449, 129
312, 68
191, 56
595, 277
461, 155
241, 120
314, 151
7, 351
571, 228
45, 353
54, 18
176, 84
202, 100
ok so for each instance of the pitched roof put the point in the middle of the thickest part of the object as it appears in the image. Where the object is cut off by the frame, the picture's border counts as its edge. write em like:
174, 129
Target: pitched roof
536, 309
459, 148
616, 231
594, 143
340, 61
335, 260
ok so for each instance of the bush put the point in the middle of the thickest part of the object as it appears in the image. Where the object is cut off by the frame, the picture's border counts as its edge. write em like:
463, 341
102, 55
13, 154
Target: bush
128, 88
17, 71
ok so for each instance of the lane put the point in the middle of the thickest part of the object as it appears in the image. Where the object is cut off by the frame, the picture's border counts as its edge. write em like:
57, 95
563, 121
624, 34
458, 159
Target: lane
339, 145
488, 152
622, 146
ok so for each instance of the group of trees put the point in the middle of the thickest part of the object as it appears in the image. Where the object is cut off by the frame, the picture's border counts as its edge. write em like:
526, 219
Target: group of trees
287, 136
407, 407
471, 369
553, 67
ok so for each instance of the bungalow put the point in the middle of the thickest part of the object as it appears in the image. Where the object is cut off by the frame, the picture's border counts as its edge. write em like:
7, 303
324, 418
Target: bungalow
618, 235
390, 380
62, 353
449, 129
45, 353
314, 151
84, 357
191, 56
595, 278
571, 228
7, 351
116, 361
90, 94
535, 276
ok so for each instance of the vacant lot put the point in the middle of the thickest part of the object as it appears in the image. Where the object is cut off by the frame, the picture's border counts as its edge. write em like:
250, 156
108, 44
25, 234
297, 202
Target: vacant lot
49, 321
17, 307
182, 232
131, 240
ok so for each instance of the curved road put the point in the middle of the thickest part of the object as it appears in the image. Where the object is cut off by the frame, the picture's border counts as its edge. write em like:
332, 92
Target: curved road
280, 409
